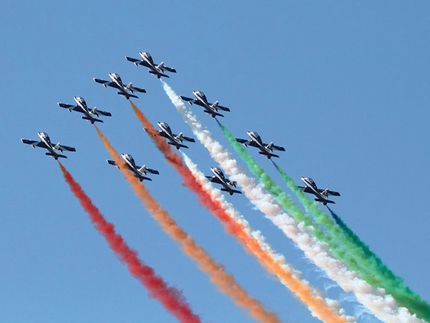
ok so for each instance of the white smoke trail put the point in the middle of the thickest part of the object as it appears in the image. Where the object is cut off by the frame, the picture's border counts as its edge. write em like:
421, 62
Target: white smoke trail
297, 281
381, 305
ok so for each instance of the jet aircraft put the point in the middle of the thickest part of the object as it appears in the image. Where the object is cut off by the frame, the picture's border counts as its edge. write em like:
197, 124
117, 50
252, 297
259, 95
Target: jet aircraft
156, 69
321, 195
123, 90
209, 108
172, 139
81, 106
265, 149
138, 171
220, 179
45, 142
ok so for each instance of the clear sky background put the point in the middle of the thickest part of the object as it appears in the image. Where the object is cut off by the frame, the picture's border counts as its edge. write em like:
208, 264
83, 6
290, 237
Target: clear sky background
343, 86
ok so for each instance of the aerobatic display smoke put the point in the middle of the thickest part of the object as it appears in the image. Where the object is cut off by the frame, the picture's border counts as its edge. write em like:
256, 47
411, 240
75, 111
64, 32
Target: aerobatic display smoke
171, 298
381, 305
316, 304
218, 276
255, 243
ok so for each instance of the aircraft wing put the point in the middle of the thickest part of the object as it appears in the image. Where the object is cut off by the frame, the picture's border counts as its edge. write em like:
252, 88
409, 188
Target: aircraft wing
170, 69
185, 98
214, 179
188, 139
138, 89
106, 83
278, 148
34, 143
69, 107
223, 108
68, 148
152, 171
305, 189
333, 193
243, 141
104, 113
138, 61
110, 162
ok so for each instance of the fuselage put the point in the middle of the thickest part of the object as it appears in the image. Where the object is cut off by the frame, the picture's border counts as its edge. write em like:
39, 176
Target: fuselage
255, 137
46, 140
147, 58
117, 80
200, 96
309, 182
165, 128
219, 174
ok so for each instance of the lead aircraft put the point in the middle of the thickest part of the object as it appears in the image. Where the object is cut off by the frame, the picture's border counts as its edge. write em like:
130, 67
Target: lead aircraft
172, 139
265, 149
321, 195
45, 142
156, 69
116, 83
138, 171
220, 179
81, 106
209, 108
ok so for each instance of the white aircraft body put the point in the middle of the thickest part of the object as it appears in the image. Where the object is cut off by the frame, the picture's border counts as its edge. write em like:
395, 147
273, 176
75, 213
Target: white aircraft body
45, 142
321, 195
172, 139
201, 100
255, 141
124, 90
81, 106
219, 178
138, 171
156, 69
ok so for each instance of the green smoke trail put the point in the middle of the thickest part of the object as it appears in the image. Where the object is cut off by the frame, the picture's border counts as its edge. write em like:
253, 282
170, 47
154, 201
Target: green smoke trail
357, 257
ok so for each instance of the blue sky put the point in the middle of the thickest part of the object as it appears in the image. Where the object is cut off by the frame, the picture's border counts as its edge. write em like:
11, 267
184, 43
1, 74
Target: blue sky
342, 86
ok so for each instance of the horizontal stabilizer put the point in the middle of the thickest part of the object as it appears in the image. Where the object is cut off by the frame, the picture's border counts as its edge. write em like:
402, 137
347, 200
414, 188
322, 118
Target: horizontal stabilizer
177, 145
56, 156
141, 178
268, 155
325, 201
231, 191
110, 162
92, 120
128, 95
158, 74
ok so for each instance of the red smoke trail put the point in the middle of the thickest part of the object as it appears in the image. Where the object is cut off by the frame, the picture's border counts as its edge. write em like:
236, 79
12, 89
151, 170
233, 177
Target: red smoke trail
171, 298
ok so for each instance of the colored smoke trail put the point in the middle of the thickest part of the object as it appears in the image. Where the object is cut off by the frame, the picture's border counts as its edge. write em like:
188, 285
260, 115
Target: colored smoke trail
339, 244
171, 298
381, 305
364, 261
236, 225
222, 280
316, 304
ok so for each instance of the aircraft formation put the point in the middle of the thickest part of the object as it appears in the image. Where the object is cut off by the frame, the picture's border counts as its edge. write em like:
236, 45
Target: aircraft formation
326, 236
176, 140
